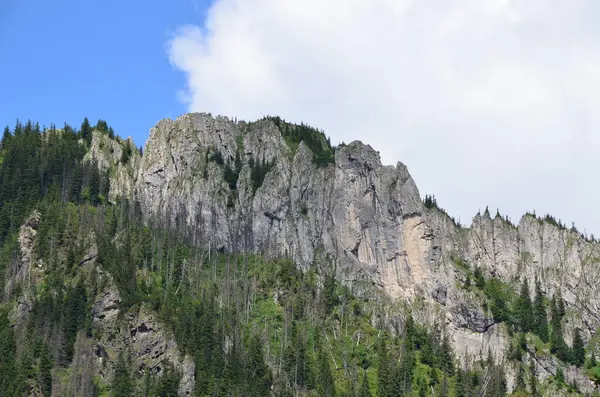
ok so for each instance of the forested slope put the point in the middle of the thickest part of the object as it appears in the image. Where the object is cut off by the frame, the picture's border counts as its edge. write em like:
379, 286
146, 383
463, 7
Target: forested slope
101, 299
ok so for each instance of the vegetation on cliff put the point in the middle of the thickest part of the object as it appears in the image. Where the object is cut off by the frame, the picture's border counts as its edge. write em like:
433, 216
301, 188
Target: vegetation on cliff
253, 326
315, 140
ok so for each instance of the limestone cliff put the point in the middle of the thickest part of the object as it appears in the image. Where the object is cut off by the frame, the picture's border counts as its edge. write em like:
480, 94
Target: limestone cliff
369, 218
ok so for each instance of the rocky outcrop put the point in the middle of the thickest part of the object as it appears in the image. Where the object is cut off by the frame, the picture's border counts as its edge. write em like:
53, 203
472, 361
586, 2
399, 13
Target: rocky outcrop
107, 153
546, 366
27, 269
365, 215
366, 218
137, 333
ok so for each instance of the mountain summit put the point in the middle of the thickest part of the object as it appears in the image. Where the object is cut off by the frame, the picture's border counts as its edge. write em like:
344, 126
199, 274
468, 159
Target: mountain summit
514, 302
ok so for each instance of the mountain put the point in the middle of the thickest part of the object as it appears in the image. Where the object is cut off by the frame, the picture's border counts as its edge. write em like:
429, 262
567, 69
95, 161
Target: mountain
254, 258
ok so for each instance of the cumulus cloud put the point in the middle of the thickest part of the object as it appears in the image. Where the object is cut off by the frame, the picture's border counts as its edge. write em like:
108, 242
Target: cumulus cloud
487, 102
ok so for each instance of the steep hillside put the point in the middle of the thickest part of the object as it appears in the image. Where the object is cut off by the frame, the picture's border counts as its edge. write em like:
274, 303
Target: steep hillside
368, 217
236, 258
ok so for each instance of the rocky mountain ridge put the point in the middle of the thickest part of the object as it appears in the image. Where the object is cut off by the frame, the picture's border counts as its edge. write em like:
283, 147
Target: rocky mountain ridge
367, 219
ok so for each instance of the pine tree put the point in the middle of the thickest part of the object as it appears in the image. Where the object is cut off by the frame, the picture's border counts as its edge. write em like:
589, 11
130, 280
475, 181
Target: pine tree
102, 126
330, 298
409, 331
444, 389
6, 136
578, 349
460, 389
427, 350
168, 383
540, 314
74, 315
422, 386
9, 369
365, 391
260, 379
557, 342
523, 309
325, 384
46, 370
383, 369
122, 383
447, 356
86, 130
403, 374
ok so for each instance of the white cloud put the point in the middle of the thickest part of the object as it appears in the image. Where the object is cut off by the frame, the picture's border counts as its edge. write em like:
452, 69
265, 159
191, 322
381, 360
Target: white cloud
487, 102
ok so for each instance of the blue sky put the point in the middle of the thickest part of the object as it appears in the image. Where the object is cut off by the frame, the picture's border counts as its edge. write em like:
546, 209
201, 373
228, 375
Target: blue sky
69, 59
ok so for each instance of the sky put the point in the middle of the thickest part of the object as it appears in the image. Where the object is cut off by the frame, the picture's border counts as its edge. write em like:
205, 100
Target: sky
489, 103
65, 60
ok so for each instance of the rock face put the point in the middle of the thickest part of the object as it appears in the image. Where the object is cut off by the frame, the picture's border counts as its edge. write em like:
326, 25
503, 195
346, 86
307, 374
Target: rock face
107, 153
368, 218
141, 335
137, 333
27, 269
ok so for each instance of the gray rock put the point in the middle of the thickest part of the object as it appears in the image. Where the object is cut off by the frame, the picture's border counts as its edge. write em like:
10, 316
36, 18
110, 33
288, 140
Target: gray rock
141, 335
471, 318
367, 218
138, 333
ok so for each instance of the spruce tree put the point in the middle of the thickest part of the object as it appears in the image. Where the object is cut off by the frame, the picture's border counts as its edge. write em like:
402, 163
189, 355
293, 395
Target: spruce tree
102, 126
557, 342
540, 314
422, 386
404, 372
325, 384
260, 378
365, 391
427, 353
86, 130
168, 383
460, 389
122, 385
523, 309
444, 389
46, 370
383, 369
447, 356
578, 349
5, 138
409, 331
